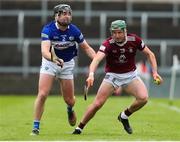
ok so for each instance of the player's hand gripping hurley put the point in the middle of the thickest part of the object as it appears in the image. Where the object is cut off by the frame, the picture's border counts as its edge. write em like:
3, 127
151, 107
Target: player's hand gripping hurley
89, 83
55, 59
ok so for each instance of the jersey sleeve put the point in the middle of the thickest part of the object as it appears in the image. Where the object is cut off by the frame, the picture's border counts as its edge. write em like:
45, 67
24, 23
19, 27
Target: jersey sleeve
140, 43
79, 36
103, 47
45, 34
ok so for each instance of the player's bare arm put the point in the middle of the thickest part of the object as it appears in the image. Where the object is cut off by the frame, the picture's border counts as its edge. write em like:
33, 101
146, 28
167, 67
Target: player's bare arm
92, 68
45, 50
88, 49
152, 59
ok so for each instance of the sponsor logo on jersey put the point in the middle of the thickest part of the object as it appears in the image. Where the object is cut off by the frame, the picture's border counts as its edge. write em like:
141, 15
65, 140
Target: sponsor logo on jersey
131, 38
71, 38
130, 49
122, 59
114, 51
55, 37
62, 45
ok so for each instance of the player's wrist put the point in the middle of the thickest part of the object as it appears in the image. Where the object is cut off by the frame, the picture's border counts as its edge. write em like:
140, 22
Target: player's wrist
91, 74
154, 71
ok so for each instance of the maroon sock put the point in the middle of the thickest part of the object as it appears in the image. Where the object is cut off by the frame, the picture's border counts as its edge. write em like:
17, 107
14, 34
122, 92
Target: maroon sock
81, 125
127, 112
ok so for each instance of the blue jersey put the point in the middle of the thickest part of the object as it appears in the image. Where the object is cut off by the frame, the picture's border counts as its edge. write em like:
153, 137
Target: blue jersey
63, 42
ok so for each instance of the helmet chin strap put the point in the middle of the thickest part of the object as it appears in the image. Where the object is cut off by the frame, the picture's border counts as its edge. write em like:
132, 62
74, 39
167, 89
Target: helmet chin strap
63, 24
123, 42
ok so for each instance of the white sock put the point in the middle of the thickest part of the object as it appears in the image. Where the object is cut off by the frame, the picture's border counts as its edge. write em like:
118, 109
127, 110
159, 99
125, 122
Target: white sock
79, 129
124, 116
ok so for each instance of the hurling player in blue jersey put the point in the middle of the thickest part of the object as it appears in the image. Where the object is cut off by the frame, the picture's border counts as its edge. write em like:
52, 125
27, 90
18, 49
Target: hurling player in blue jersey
62, 37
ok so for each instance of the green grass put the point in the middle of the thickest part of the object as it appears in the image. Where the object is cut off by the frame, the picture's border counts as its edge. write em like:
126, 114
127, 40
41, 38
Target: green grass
156, 121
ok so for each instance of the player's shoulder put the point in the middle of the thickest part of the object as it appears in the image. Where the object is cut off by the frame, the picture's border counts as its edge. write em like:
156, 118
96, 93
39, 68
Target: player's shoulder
107, 44
73, 27
49, 25
133, 37
136, 41
108, 41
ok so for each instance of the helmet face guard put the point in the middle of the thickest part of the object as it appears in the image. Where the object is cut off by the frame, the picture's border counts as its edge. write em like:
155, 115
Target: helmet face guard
58, 9
118, 25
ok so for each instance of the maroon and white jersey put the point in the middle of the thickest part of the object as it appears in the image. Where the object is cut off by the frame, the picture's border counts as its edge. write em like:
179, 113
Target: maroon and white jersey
121, 59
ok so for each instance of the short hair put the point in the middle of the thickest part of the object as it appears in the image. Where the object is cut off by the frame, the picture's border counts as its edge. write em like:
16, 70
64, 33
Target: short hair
61, 8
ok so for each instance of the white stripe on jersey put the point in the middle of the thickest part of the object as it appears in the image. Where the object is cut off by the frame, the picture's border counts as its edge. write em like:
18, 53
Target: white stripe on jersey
102, 48
142, 44
44, 35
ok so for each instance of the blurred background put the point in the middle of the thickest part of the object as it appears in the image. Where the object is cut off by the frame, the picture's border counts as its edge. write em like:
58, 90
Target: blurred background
21, 21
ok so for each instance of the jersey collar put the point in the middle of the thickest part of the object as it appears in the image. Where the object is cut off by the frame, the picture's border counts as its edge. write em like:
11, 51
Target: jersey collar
56, 24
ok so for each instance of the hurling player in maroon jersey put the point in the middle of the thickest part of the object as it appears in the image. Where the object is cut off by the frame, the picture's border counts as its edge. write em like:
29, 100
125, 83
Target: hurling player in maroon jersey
119, 50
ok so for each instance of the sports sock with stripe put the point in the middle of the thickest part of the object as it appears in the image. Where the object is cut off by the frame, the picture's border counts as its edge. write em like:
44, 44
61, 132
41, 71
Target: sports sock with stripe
36, 124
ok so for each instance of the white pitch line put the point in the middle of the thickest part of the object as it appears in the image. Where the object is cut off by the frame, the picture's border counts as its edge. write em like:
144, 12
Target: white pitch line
170, 107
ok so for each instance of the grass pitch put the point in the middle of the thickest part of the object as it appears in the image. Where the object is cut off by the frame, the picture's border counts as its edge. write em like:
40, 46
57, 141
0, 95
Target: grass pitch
156, 121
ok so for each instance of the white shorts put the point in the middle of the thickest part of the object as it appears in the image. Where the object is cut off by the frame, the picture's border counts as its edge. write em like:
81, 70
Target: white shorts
48, 67
122, 79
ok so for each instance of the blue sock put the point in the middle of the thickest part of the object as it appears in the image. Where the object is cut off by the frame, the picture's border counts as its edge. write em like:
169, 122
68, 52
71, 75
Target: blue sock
36, 124
69, 108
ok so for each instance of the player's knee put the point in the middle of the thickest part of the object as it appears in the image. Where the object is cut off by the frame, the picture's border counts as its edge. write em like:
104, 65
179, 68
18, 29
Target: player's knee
70, 101
97, 104
144, 99
42, 96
